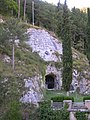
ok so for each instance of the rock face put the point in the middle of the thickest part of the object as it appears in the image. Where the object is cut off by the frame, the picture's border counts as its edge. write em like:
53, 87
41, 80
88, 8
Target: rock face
56, 74
33, 93
44, 44
50, 49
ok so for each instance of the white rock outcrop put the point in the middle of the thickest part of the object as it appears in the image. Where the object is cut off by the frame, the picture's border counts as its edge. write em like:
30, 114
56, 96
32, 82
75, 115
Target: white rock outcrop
33, 93
50, 49
44, 44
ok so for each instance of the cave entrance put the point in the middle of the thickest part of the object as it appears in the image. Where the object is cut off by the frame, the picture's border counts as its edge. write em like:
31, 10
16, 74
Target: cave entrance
50, 81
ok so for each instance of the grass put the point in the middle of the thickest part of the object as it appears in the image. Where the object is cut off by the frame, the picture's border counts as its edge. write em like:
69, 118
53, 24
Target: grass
53, 93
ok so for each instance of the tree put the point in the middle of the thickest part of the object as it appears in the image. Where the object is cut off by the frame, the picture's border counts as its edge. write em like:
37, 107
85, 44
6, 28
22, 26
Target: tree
59, 19
88, 36
24, 9
67, 51
6, 6
14, 30
18, 9
78, 28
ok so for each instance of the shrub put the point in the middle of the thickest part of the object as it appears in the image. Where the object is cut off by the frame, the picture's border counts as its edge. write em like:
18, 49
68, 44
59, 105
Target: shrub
86, 98
61, 98
58, 98
81, 115
13, 112
47, 113
69, 98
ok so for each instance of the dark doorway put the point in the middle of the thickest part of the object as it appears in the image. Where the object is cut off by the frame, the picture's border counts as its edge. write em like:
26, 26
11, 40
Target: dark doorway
49, 81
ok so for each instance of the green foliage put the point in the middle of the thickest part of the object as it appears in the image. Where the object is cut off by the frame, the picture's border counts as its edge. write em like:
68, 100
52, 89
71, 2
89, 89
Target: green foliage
50, 17
86, 98
61, 98
81, 115
15, 30
6, 6
88, 36
69, 98
12, 4
2, 91
66, 105
53, 93
33, 63
3, 35
58, 65
67, 51
12, 30
13, 112
46, 113
78, 29
58, 99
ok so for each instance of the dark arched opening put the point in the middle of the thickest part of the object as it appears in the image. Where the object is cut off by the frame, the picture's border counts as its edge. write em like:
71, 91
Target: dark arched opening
49, 81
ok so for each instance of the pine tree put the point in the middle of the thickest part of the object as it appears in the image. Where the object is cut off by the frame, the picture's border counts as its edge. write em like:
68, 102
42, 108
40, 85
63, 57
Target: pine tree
88, 36
67, 51
13, 30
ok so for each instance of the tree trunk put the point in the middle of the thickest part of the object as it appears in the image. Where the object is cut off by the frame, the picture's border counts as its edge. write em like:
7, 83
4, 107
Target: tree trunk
13, 64
33, 13
18, 9
24, 10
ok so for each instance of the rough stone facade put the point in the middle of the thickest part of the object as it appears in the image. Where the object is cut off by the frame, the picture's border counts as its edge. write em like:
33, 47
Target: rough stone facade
44, 44
58, 79
50, 49
32, 93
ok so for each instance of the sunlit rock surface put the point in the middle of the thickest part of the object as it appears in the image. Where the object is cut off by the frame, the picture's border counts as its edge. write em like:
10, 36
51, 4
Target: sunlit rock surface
50, 49
32, 93
44, 44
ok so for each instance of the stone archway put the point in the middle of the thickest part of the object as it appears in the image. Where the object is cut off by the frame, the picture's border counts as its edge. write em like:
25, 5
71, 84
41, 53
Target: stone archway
50, 81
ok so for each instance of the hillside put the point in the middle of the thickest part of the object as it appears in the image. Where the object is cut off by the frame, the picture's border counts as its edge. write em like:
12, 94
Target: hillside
27, 66
31, 69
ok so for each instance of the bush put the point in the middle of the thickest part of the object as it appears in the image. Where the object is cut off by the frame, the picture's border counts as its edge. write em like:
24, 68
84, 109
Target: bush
81, 115
61, 98
58, 98
47, 113
13, 112
69, 98
86, 98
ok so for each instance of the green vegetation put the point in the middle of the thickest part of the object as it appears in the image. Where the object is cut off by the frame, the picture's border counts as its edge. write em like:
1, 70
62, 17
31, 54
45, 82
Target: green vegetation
61, 98
27, 64
69, 25
13, 112
50, 17
13, 30
88, 36
8, 7
54, 93
46, 113
86, 98
67, 51
81, 116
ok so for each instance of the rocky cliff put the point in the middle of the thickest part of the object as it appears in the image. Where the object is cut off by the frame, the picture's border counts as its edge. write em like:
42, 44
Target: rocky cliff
49, 47
38, 65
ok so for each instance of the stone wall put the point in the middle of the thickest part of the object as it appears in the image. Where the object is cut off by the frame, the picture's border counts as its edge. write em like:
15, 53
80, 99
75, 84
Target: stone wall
33, 92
